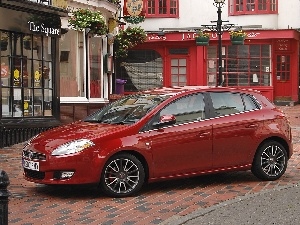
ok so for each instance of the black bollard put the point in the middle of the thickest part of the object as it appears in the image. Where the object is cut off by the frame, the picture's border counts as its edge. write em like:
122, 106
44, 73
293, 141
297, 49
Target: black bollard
4, 194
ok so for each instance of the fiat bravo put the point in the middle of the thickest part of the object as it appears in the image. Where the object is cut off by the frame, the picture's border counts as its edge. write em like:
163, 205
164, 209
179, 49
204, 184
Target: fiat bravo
161, 134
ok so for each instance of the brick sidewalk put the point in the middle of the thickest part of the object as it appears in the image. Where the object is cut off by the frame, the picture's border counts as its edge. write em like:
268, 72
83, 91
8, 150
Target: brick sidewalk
39, 204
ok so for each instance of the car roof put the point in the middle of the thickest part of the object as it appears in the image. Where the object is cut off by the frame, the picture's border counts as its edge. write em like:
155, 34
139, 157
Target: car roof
174, 90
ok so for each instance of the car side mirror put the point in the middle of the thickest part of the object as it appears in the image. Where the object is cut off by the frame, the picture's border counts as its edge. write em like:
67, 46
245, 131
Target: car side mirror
165, 120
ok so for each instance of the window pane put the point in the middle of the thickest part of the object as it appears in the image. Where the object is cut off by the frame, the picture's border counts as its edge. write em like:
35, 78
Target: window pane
186, 109
151, 7
249, 104
48, 102
254, 50
6, 107
265, 50
69, 76
174, 62
162, 6
173, 7
38, 102
182, 70
226, 103
5, 71
182, 62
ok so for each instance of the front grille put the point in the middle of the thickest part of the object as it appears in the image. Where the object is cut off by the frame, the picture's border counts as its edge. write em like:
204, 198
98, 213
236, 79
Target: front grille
33, 155
34, 174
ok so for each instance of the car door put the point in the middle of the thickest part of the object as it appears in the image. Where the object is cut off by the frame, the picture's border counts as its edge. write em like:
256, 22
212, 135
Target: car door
236, 122
186, 146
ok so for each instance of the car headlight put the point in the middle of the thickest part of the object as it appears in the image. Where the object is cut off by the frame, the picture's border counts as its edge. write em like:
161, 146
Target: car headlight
73, 147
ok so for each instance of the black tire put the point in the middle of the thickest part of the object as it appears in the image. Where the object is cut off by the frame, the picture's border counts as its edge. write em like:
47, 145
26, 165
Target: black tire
270, 161
123, 175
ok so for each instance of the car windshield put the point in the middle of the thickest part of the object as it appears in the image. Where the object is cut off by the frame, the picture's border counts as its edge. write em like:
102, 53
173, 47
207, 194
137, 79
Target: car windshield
128, 109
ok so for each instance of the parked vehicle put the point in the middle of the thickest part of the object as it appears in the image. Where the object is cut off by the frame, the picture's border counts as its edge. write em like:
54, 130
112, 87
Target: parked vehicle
163, 134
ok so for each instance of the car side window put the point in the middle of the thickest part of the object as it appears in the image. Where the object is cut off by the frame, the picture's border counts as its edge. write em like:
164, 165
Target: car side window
186, 109
225, 103
249, 102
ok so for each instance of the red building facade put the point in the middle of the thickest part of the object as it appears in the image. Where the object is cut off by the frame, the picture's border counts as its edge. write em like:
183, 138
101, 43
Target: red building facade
268, 61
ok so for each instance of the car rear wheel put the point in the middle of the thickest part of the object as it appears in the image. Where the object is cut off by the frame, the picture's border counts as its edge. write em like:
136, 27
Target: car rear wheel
123, 175
270, 161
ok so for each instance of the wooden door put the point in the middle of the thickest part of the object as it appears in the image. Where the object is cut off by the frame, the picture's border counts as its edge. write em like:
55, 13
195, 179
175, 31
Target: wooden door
282, 79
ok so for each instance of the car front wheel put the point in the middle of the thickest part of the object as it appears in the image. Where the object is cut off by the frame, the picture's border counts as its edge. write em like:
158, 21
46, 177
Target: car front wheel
123, 175
270, 161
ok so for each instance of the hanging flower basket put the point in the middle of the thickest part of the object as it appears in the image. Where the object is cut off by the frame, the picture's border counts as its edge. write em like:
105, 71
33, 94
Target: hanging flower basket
127, 39
202, 38
4, 43
237, 37
202, 41
85, 18
27, 42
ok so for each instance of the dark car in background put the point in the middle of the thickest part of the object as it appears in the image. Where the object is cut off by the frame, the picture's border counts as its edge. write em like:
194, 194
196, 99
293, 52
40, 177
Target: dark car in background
160, 134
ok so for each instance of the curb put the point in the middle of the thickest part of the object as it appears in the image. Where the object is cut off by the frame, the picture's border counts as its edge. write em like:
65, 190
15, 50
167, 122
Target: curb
179, 220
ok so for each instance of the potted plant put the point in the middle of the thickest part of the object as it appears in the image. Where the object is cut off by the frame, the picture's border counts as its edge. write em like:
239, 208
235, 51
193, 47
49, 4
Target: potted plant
202, 38
4, 42
127, 39
85, 18
237, 37
27, 42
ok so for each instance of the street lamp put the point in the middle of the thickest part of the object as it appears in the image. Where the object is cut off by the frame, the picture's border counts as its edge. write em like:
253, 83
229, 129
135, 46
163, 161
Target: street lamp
219, 4
219, 28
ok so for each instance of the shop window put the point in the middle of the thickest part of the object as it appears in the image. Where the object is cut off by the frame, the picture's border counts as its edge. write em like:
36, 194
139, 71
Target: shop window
95, 60
161, 8
243, 65
243, 7
72, 73
81, 67
142, 69
26, 76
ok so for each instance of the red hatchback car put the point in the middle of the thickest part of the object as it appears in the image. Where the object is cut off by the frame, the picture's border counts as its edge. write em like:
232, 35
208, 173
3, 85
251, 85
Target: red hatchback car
162, 134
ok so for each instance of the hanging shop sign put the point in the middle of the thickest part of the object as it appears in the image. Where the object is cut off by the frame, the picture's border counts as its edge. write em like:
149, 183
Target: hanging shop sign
133, 7
133, 11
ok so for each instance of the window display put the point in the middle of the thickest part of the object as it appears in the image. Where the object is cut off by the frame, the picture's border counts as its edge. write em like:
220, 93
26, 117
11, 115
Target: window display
26, 72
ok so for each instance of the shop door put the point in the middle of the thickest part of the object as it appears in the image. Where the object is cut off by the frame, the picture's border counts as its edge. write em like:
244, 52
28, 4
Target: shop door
177, 67
178, 73
282, 81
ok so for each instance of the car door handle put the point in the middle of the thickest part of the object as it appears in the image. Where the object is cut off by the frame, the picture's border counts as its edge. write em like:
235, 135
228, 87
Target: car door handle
252, 126
204, 134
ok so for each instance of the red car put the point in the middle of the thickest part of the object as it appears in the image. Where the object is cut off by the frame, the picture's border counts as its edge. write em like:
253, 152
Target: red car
163, 134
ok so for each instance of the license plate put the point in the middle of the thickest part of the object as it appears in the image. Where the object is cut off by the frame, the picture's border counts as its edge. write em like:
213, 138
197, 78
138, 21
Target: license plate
31, 165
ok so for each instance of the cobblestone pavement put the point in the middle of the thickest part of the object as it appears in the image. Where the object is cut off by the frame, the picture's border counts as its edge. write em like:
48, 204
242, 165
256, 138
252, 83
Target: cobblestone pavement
39, 204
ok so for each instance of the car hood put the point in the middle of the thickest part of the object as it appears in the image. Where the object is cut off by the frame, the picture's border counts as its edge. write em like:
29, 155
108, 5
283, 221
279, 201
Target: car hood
53, 138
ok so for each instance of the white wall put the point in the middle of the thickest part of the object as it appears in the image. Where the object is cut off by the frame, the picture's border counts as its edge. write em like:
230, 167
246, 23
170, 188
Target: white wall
289, 14
194, 13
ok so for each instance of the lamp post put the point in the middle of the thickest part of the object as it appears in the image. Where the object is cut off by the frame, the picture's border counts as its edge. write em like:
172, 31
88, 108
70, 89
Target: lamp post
219, 28
219, 4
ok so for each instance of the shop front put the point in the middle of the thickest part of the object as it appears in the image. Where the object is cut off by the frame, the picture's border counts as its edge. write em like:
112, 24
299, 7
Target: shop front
29, 34
268, 61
